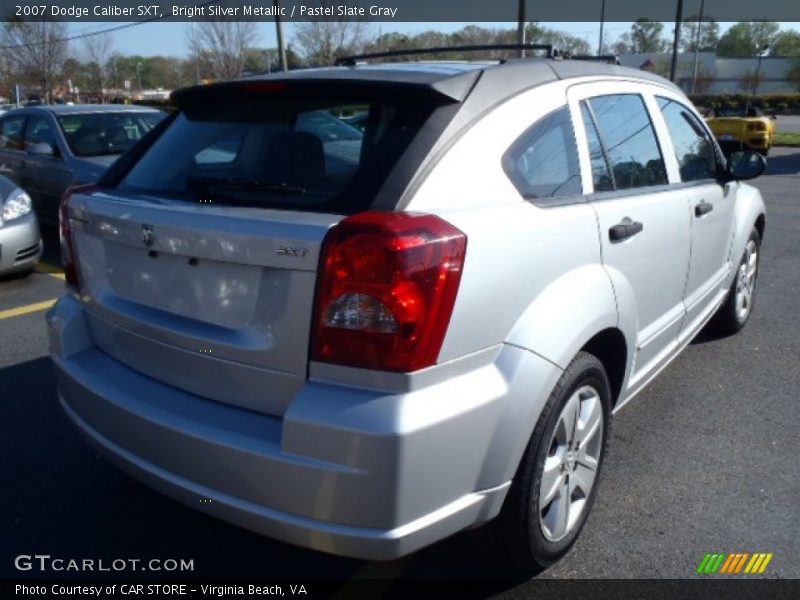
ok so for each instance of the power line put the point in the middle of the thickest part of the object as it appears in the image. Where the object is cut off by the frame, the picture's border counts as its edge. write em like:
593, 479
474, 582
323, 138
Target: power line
93, 33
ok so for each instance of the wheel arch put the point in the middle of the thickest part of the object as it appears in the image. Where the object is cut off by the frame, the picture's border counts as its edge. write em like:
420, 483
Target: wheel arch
761, 224
611, 349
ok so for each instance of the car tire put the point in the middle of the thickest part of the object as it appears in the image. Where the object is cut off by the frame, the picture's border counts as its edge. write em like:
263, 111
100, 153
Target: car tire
524, 535
734, 313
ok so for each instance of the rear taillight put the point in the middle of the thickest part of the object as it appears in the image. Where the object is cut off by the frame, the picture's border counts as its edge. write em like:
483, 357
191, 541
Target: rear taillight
69, 258
387, 285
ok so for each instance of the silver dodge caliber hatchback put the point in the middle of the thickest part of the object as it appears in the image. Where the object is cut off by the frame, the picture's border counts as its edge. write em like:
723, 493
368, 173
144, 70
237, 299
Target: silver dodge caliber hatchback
363, 340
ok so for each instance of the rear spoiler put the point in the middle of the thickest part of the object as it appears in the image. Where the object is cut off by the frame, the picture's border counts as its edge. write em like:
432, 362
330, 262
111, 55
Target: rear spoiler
338, 83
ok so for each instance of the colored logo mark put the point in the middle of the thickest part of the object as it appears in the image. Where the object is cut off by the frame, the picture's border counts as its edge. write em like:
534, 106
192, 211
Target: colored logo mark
736, 563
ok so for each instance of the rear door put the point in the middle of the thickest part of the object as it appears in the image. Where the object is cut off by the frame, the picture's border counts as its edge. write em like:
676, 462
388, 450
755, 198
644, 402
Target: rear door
644, 222
711, 203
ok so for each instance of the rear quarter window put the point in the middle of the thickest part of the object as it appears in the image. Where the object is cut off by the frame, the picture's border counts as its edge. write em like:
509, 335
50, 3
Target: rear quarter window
543, 162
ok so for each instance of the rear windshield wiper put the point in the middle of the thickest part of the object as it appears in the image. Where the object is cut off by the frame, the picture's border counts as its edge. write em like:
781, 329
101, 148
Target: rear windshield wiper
210, 185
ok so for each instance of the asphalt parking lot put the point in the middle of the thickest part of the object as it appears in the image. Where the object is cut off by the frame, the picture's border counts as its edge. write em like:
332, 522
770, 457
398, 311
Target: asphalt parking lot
704, 460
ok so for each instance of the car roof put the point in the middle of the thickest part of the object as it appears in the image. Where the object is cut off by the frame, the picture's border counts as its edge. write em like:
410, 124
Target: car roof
456, 78
81, 109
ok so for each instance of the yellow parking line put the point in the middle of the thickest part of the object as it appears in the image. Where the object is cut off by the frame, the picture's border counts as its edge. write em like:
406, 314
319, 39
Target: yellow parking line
25, 310
49, 270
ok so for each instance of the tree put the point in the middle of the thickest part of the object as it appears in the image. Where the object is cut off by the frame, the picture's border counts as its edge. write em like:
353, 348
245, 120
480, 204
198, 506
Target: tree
709, 35
222, 46
705, 79
98, 50
786, 43
747, 39
321, 42
646, 37
794, 74
559, 40
750, 80
35, 52
623, 45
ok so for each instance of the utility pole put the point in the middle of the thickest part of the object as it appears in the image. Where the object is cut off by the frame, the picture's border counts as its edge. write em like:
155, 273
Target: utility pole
196, 45
521, 27
697, 45
678, 18
764, 48
602, 23
279, 30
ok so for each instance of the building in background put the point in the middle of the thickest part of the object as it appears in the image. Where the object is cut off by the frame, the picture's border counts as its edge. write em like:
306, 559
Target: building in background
721, 75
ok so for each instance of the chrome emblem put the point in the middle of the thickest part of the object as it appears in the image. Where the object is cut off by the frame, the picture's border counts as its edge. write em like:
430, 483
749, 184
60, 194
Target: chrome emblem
291, 251
148, 235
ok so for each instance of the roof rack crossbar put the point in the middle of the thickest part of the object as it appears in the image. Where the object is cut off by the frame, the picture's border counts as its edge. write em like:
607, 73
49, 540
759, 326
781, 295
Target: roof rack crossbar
350, 61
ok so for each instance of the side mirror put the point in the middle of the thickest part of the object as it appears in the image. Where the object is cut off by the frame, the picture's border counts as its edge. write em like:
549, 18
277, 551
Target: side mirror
745, 165
41, 149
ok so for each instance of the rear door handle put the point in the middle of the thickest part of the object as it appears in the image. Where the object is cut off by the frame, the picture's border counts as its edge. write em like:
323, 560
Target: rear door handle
703, 208
624, 230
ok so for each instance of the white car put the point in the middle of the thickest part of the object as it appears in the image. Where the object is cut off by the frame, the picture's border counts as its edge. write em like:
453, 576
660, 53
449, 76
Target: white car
364, 342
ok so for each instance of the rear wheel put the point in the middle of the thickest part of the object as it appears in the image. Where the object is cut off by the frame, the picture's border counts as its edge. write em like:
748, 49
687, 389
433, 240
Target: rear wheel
735, 312
553, 490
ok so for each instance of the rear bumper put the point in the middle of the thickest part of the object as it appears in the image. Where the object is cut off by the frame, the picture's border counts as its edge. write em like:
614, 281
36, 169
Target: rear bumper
20, 244
346, 470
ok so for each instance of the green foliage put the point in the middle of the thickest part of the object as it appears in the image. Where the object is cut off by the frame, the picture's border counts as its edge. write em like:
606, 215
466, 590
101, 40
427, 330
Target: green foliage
647, 36
786, 43
747, 39
709, 35
783, 103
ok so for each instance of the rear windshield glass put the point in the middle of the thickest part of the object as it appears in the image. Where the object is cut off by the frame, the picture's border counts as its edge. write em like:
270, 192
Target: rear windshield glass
737, 111
297, 154
98, 134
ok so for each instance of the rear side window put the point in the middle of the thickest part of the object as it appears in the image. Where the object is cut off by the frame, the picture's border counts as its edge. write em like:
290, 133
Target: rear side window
629, 139
293, 153
694, 150
543, 162
39, 131
11, 129
106, 133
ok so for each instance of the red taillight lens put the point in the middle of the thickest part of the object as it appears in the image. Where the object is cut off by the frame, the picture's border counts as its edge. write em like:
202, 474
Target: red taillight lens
69, 258
387, 285
757, 126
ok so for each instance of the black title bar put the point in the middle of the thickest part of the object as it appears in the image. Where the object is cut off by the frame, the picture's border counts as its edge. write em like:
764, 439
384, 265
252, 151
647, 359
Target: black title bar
392, 10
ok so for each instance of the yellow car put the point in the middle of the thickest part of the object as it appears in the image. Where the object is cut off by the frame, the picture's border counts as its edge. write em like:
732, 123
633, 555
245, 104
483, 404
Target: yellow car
740, 128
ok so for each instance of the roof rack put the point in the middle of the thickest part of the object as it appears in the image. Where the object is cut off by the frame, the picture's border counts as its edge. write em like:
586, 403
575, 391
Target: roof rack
351, 61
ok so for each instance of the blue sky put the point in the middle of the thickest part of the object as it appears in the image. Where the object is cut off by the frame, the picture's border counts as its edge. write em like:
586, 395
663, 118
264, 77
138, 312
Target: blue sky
170, 38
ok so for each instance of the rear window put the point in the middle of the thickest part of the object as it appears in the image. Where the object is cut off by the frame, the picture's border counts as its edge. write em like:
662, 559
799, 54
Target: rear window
103, 133
298, 154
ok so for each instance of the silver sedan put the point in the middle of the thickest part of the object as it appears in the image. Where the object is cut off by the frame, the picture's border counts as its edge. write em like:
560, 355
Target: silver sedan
20, 242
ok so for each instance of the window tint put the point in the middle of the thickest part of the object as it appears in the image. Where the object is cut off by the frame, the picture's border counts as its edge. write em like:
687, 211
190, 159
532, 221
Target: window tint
293, 153
693, 149
104, 133
630, 141
11, 132
601, 175
39, 132
543, 162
